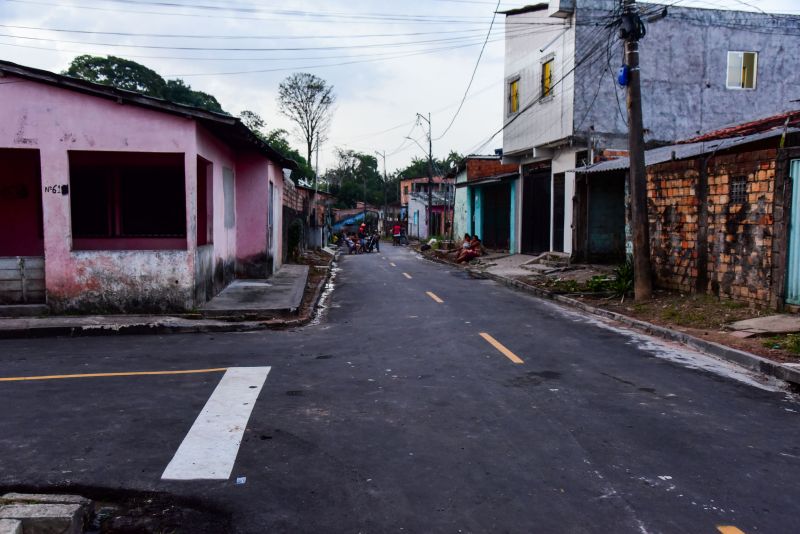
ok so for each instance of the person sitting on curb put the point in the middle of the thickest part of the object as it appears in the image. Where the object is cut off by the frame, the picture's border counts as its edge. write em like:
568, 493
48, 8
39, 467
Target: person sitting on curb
457, 250
474, 250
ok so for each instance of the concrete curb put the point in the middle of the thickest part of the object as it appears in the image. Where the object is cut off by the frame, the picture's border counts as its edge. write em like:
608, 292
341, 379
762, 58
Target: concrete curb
744, 359
162, 326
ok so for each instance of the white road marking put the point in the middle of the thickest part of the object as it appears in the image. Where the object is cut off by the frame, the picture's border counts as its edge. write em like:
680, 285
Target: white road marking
209, 449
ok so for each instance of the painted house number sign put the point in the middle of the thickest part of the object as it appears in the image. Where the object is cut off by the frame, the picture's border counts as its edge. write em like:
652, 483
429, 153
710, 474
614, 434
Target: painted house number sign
57, 189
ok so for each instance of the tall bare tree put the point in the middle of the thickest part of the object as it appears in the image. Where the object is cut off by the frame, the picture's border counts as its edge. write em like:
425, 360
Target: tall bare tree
308, 101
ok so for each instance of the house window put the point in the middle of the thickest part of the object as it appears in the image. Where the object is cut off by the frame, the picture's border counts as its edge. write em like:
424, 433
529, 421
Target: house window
513, 96
127, 201
228, 197
405, 189
738, 189
547, 78
742, 68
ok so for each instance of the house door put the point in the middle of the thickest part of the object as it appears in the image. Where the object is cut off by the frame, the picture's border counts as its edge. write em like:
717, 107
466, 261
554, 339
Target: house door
535, 236
558, 212
21, 227
793, 267
496, 223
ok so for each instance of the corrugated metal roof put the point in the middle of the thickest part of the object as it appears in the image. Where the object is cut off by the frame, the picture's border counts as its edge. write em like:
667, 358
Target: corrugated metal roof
683, 151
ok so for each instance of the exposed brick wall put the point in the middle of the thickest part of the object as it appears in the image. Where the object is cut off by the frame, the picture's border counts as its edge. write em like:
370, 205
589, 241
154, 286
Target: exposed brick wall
481, 168
295, 199
739, 235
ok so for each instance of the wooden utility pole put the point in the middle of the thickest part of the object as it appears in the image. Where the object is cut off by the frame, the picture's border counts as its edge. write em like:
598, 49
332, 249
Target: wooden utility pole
632, 30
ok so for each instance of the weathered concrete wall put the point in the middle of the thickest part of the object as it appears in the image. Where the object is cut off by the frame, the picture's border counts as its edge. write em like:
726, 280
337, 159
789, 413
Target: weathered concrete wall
56, 121
224, 236
460, 207
531, 38
276, 178
683, 66
252, 189
739, 235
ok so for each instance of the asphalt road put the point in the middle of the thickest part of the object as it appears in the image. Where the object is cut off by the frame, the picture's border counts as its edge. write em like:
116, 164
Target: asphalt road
394, 414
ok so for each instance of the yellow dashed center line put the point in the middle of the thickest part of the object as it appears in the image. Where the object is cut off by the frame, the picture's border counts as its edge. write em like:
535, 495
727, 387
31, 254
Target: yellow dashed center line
407, 275
502, 348
392, 264
729, 529
434, 297
100, 375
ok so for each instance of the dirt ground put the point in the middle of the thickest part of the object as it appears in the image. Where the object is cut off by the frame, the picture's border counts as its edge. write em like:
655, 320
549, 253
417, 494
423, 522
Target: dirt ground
703, 316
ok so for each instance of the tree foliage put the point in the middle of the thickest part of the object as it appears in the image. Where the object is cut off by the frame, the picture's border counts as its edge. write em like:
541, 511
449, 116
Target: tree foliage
352, 172
307, 100
278, 140
419, 166
132, 76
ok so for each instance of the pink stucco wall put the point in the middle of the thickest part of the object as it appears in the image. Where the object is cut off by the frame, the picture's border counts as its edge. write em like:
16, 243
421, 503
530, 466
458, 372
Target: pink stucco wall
55, 121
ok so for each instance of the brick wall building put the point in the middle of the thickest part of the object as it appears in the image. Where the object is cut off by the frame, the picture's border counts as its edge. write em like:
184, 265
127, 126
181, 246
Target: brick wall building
731, 254
720, 210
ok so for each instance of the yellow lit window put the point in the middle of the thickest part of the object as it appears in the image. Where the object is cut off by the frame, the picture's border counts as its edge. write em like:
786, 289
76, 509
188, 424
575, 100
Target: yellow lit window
513, 96
742, 70
547, 78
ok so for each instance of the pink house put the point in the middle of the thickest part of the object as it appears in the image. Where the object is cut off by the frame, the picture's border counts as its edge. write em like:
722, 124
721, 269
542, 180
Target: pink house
115, 201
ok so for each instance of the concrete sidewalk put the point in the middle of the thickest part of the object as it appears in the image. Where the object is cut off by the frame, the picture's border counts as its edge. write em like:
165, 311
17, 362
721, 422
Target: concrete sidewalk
247, 304
283, 292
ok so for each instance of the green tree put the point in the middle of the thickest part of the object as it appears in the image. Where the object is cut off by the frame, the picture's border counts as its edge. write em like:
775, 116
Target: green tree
419, 166
178, 91
352, 173
118, 72
132, 76
278, 140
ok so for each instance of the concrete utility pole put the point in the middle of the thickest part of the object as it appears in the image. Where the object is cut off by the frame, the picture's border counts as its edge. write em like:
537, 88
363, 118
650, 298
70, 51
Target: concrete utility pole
383, 155
430, 172
631, 31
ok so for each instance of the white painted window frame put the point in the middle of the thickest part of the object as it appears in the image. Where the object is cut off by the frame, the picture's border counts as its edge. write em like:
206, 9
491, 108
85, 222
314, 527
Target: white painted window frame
741, 54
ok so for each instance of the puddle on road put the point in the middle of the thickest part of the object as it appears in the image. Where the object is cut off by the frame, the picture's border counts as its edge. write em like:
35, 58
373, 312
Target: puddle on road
323, 305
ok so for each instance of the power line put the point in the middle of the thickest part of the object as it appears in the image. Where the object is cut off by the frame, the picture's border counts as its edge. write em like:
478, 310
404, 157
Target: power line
255, 49
308, 16
469, 85
238, 37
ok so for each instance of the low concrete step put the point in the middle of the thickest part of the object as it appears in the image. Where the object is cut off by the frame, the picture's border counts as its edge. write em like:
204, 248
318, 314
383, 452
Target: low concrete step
46, 518
281, 293
10, 526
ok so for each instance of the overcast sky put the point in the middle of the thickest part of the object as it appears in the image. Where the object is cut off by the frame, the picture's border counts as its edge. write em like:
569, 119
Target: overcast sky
386, 60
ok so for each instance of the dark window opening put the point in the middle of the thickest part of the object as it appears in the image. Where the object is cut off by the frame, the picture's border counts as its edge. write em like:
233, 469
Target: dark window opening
127, 201
738, 189
205, 202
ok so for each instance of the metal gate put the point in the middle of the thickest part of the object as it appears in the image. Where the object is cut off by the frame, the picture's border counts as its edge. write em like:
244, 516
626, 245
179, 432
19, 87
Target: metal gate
793, 267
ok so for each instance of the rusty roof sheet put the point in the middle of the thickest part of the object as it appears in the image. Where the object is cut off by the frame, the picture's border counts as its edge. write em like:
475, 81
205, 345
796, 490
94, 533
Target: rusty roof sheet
685, 150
